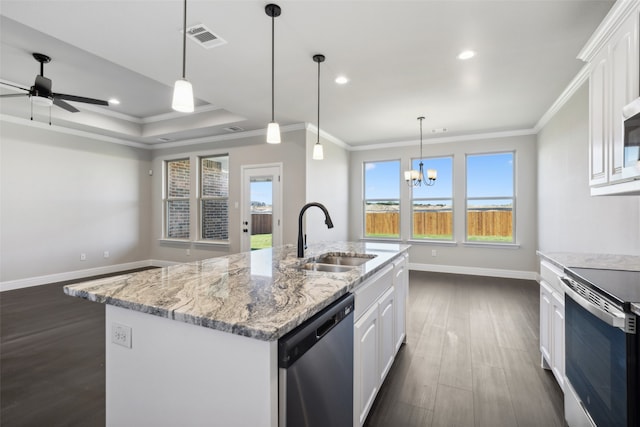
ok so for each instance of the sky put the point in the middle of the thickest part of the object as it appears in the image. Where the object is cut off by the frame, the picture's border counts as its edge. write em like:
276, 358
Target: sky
489, 175
261, 192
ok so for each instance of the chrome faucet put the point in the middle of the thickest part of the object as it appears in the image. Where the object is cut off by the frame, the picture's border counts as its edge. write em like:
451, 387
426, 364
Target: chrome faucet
302, 244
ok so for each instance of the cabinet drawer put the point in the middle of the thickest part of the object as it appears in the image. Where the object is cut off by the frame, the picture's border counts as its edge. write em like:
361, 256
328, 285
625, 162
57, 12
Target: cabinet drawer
369, 292
551, 274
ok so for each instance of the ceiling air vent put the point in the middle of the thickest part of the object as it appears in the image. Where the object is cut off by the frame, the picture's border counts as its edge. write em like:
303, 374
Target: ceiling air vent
234, 129
204, 37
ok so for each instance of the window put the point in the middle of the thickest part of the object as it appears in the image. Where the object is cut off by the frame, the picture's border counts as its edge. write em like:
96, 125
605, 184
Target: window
214, 198
382, 199
178, 181
490, 198
432, 206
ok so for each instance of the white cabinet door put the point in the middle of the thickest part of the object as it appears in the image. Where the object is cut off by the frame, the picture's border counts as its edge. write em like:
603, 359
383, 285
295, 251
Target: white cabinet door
624, 89
366, 380
557, 355
546, 309
598, 118
387, 319
401, 283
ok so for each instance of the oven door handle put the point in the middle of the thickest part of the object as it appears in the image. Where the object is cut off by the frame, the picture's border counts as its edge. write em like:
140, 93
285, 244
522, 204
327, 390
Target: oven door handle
617, 319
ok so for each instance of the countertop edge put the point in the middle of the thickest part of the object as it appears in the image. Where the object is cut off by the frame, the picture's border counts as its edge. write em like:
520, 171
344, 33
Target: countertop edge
266, 334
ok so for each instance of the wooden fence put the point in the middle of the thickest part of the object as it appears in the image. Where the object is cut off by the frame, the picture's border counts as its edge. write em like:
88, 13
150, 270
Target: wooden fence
479, 223
261, 223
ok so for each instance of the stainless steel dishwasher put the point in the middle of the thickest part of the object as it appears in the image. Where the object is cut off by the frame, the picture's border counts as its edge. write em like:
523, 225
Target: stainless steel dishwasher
315, 363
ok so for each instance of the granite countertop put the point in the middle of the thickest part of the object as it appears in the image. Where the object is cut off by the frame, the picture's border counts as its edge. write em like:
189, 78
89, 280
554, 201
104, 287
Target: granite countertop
605, 261
258, 294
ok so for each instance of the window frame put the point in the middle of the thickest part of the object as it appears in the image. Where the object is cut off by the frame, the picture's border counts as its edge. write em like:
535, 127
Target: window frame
387, 199
513, 242
166, 199
412, 237
200, 199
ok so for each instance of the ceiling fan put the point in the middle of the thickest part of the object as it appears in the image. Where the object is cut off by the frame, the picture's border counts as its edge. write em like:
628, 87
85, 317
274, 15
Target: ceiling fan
40, 93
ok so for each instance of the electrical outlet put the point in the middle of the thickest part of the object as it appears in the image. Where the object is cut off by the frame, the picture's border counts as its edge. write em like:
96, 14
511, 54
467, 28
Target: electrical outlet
106, 254
434, 252
83, 257
121, 334
188, 252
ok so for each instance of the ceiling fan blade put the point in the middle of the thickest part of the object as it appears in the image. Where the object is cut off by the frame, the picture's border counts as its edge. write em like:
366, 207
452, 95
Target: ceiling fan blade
13, 95
11, 85
80, 99
43, 85
60, 103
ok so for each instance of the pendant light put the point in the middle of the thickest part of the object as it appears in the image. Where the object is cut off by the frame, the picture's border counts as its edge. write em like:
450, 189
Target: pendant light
318, 153
416, 178
183, 91
273, 130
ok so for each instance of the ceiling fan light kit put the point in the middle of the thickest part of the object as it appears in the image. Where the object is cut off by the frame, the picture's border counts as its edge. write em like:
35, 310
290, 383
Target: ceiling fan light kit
40, 93
183, 90
273, 130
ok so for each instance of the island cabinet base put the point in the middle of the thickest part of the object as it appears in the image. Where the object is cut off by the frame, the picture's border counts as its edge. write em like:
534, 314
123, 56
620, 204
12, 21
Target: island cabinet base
181, 374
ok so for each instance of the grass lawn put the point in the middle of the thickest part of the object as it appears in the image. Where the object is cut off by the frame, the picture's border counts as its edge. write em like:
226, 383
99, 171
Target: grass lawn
261, 241
383, 235
433, 236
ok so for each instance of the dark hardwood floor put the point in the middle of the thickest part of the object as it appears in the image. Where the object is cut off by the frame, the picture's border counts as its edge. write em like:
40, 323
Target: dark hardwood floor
471, 358
51, 358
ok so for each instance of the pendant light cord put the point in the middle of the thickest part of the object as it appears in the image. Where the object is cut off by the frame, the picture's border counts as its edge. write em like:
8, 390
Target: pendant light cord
184, 41
273, 68
421, 119
318, 140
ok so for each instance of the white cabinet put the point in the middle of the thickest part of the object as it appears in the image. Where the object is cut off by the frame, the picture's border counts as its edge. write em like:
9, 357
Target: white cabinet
557, 354
401, 284
552, 321
387, 316
613, 57
366, 381
546, 295
379, 326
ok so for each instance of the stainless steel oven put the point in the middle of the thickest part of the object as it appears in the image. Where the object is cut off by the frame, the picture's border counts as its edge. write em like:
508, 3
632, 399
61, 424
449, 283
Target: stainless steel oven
601, 348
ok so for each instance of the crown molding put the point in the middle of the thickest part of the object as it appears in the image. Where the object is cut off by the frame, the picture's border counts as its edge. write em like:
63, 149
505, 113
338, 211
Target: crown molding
70, 131
616, 16
569, 91
217, 138
337, 141
443, 140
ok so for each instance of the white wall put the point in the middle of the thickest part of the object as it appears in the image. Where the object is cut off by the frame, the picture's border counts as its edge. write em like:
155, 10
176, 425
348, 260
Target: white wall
327, 183
458, 257
62, 195
242, 151
570, 220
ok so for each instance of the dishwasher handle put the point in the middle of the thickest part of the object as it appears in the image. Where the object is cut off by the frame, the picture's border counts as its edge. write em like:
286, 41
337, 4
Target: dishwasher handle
327, 326
296, 343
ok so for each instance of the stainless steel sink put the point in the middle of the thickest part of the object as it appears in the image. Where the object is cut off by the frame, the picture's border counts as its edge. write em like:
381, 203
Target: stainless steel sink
332, 268
351, 260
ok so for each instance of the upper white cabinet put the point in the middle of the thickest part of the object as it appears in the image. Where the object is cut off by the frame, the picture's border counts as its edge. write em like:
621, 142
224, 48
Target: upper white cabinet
614, 75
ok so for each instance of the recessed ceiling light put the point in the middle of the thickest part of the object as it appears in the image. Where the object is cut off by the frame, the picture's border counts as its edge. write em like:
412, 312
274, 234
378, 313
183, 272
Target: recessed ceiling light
114, 101
341, 80
466, 54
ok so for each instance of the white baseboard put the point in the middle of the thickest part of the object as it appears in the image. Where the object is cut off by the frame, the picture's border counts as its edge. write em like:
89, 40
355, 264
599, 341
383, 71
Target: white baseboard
475, 271
10, 285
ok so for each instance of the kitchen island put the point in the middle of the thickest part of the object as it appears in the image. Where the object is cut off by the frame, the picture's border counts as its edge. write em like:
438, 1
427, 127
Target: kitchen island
196, 343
